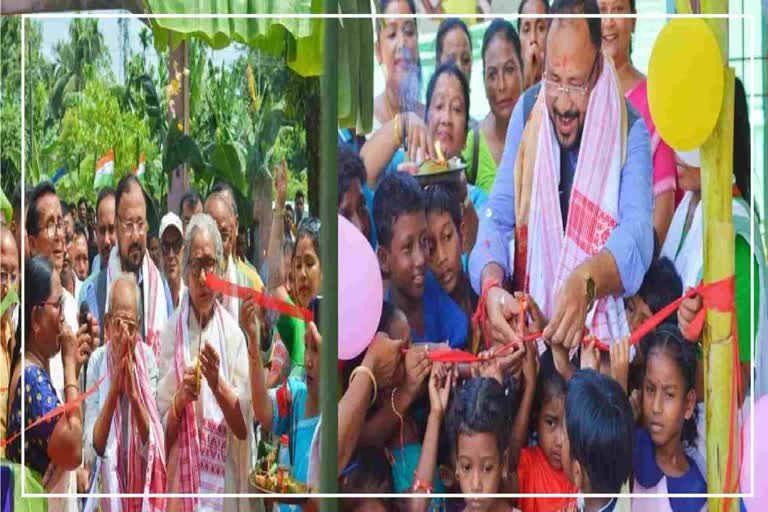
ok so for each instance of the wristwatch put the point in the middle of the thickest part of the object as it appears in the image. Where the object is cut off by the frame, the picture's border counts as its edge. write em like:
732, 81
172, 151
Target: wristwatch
591, 292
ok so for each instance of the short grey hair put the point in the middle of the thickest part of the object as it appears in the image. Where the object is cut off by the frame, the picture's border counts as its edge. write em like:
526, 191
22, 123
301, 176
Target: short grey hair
130, 279
200, 223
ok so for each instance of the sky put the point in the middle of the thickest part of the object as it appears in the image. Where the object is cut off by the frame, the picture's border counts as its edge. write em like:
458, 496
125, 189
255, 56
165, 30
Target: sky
55, 30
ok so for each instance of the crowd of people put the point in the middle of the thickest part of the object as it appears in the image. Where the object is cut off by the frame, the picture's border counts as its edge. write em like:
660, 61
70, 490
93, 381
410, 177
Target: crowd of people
572, 224
183, 381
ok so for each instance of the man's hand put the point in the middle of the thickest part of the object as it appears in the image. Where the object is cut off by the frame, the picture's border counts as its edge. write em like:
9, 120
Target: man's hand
567, 324
686, 313
281, 182
502, 308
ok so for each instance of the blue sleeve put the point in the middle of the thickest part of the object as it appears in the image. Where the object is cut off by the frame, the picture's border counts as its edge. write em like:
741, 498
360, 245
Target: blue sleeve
168, 298
497, 220
631, 243
41, 399
90, 299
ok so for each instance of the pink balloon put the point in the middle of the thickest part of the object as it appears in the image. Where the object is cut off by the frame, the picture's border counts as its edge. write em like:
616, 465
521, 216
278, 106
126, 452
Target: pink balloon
760, 454
360, 291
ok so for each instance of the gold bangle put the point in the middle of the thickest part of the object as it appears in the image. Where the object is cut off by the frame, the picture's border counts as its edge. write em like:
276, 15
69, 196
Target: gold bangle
77, 388
176, 414
396, 128
367, 371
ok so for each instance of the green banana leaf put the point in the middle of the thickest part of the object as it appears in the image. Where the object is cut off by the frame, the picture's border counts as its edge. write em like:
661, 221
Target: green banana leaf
300, 39
6, 208
355, 63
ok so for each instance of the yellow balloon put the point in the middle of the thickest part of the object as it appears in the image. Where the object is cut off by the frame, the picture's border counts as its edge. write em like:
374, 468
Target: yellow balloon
685, 83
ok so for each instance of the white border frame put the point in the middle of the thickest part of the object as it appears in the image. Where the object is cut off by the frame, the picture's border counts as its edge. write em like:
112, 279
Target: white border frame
113, 15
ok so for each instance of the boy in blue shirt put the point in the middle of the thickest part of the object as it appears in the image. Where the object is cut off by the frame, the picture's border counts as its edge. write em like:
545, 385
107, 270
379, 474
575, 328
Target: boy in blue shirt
401, 231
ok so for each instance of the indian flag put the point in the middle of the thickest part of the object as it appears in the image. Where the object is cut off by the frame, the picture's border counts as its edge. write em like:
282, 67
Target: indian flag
139, 171
104, 170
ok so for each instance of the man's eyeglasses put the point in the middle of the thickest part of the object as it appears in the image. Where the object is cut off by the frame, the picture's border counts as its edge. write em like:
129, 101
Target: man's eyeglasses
171, 247
555, 90
196, 265
7, 277
54, 227
130, 327
137, 226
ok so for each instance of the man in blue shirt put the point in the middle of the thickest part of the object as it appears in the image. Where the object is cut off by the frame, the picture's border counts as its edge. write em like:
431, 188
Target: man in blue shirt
572, 68
105, 237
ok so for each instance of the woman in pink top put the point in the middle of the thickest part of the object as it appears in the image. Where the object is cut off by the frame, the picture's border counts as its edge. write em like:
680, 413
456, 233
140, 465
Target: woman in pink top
617, 44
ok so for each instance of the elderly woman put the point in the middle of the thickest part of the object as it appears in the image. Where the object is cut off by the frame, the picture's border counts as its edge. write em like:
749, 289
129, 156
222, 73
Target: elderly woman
52, 449
203, 393
121, 420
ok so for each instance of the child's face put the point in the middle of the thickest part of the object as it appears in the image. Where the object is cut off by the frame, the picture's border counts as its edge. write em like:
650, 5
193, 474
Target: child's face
571, 467
444, 250
637, 312
312, 361
666, 402
550, 429
479, 468
405, 259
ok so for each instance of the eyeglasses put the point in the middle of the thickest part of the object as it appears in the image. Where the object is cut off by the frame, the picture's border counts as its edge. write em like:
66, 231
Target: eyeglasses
58, 304
137, 226
54, 227
169, 247
7, 277
555, 90
209, 265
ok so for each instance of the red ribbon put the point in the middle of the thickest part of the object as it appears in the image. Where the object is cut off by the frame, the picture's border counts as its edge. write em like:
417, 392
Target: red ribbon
58, 411
718, 296
283, 399
218, 285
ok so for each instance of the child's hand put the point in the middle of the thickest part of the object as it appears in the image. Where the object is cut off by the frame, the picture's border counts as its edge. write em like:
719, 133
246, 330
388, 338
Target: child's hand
531, 364
620, 362
537, 322
440, 383
686, 313
490, 368
590, 356
511, 360
562, 361
417, 367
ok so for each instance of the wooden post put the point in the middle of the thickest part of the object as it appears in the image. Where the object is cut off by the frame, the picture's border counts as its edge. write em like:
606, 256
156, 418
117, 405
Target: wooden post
719, 364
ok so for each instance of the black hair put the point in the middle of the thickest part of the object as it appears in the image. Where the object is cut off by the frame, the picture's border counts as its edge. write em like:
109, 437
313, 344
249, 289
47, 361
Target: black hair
506, 30
103, 194
368, 472
600, 429
66, 208
397, 194
479, 406
446, 26
224, 187
661, 286
383, 4
191, 197
81, 201
38, 285
124, 186
441, 198
80, 229
522, 6
299, 193
741, 144
309, 227
668, 339
450, 68
549, 386
581, 7
33, 213
350, 168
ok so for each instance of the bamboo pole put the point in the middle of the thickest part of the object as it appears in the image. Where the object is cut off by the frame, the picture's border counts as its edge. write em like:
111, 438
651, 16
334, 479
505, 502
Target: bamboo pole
719, 364
329, 258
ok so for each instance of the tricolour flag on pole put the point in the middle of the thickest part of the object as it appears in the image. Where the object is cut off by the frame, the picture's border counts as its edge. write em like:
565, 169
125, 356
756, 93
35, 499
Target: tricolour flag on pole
104, 169
139, 171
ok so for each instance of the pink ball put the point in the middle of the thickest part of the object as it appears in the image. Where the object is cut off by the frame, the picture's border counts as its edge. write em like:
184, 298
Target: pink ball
759, 451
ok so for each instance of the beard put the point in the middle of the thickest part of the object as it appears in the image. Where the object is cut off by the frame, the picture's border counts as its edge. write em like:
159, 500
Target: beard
132, 260
568, 115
